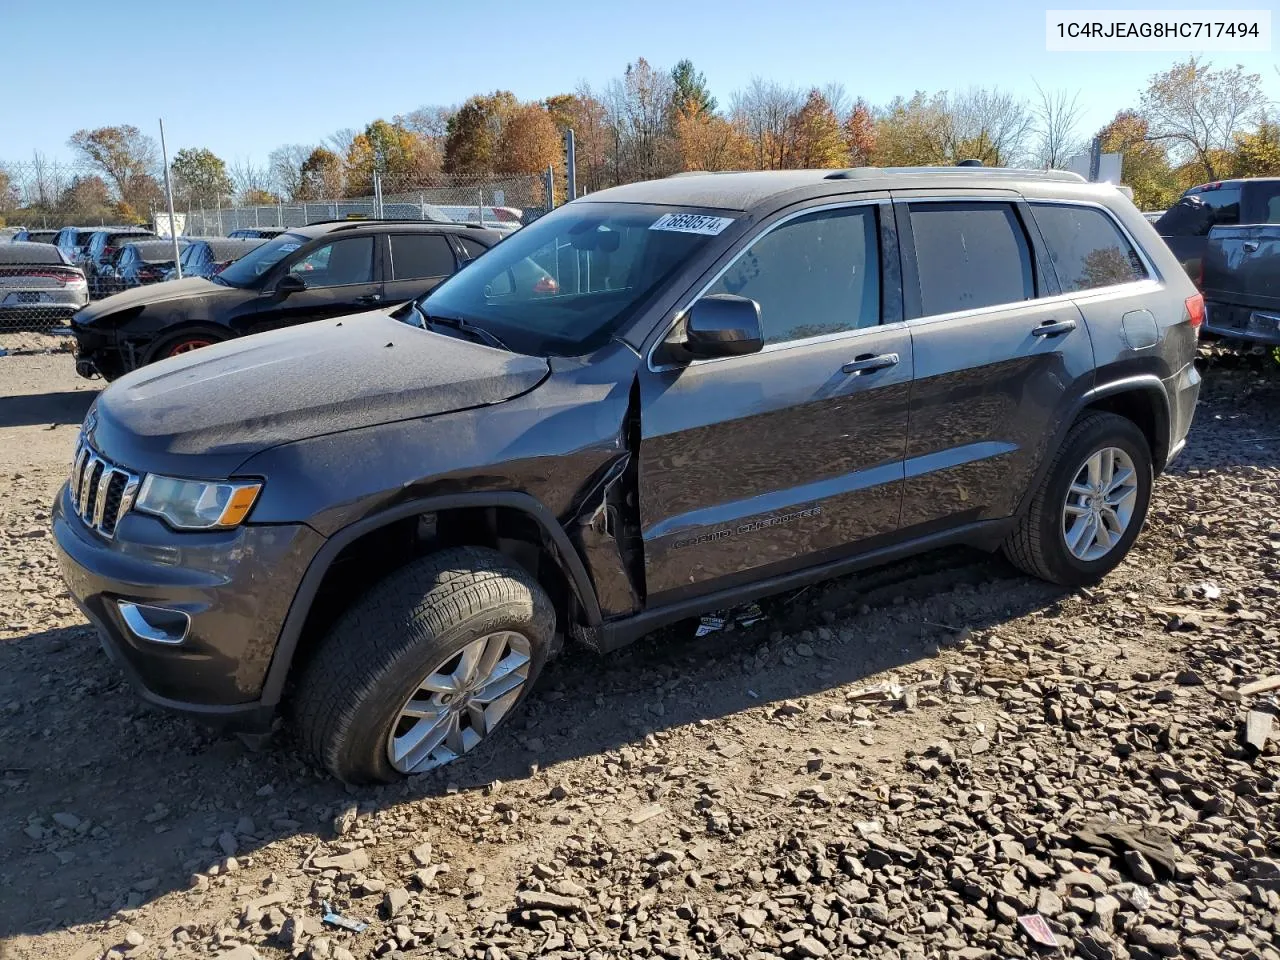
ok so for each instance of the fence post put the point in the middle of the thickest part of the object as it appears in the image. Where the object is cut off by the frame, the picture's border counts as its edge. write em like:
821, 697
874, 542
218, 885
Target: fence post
422, 206
549, 187
335, 210
480, 205
280, 213
571, 167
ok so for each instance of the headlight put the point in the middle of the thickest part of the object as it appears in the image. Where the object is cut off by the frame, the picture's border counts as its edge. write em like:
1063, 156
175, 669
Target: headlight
197, 504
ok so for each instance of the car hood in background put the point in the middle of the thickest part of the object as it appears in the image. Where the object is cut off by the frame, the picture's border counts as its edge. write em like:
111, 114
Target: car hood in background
186, 289
203, 413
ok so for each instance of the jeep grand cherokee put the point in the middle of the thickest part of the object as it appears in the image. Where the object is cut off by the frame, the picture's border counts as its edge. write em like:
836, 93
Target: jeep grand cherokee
731, 385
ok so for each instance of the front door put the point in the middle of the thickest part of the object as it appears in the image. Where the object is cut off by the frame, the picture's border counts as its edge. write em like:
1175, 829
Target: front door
341, 277
757, 465
997, 354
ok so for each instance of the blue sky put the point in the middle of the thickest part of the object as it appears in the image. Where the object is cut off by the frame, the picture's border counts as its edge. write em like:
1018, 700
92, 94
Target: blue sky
243, 77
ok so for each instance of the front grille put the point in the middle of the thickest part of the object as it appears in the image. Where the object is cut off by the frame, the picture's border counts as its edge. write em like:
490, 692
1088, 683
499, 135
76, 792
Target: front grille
101, 492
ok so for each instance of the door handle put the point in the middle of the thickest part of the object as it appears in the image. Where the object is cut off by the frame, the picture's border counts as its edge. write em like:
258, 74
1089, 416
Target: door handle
1250, 246
370, 298
868, 362
1052, 328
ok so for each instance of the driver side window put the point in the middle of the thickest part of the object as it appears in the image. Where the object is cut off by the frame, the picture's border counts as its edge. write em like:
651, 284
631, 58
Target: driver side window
336, 264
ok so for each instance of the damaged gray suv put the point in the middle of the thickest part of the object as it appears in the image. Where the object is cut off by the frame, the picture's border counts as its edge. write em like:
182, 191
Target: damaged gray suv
658, 400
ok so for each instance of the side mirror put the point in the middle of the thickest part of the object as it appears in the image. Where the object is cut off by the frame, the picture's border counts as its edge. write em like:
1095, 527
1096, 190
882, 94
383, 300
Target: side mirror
288, 284
723, 325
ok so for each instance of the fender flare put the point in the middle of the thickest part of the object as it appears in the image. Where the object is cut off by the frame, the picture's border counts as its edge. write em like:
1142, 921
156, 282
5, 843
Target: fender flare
291, 632
1146, 383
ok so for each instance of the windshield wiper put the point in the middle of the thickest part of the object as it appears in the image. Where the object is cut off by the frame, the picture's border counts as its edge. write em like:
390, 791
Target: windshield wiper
463, 326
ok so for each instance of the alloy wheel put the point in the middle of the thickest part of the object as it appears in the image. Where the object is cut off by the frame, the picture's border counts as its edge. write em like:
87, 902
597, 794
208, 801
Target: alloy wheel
1100, 504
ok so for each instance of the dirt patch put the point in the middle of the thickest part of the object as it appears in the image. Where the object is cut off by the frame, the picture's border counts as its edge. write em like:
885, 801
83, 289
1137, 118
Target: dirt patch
897, 764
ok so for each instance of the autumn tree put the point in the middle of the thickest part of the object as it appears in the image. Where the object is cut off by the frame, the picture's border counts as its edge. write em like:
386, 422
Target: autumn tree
401, 156
1057, 116
860, 134
472, 134
1196, 110
125, 156
1144, 164
86, 200
988, 125
258, 197
1257, 154
584, 113
690, 94
707, 141
529, 141
199, 177
816, 141
321, 176
252, 183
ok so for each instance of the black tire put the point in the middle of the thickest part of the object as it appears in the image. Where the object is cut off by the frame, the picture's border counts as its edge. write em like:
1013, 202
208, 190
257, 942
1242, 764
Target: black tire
1038, 544
381, 648
179, 342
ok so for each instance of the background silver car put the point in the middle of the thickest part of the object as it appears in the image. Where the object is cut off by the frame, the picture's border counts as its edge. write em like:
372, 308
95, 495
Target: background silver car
39, 286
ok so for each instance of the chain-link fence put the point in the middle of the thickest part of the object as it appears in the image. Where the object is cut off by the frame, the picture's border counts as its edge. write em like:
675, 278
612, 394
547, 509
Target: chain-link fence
46, 195
504, 204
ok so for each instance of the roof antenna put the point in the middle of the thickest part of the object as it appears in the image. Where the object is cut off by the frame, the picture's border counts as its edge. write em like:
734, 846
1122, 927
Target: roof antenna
973, 162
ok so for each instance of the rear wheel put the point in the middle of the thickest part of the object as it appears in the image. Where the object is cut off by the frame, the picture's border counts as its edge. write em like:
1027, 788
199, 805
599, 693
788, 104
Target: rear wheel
424, 667
1090, 507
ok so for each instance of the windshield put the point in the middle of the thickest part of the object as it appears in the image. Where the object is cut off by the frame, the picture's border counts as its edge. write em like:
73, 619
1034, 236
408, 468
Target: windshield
563, 284
246, 271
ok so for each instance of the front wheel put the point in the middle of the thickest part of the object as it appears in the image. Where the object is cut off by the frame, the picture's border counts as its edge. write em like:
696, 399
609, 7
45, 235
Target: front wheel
1090, 507
425, 666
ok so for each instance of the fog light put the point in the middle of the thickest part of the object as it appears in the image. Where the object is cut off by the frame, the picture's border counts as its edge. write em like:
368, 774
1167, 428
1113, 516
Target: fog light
154, 624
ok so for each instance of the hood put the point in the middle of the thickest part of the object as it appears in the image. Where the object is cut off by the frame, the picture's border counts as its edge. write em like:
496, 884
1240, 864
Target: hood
203, 413
157, 293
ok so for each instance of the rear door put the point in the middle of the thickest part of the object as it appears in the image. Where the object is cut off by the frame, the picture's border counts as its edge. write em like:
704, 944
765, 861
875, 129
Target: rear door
417, 262
997, 356
753, 466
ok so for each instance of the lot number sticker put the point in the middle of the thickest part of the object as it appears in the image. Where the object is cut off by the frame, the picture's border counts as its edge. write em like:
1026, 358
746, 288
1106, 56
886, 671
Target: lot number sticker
692, 223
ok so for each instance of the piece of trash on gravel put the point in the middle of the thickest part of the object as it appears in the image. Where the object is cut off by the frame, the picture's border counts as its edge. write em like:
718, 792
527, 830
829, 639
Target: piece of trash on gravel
1038, 929
1260, 686
335, 919
709, 624
1257, 728
748, 615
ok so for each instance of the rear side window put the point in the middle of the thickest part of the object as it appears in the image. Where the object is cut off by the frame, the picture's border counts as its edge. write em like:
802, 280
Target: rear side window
818, 274
1225, 204
1086, 247
970, 255
473, 248
418, 255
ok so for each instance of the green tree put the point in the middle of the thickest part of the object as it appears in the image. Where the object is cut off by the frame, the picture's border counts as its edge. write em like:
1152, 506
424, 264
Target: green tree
912, 132
199, 176
125, 156
1257, 154
472, 134
691, 95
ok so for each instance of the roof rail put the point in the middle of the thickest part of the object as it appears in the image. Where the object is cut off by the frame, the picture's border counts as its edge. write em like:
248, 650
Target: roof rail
702, 173
1008, 173
352, 224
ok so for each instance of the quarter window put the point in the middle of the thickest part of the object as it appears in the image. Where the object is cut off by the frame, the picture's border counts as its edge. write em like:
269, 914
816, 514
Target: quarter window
1086, 247
817, 274
337, 264
969, 256
418, 255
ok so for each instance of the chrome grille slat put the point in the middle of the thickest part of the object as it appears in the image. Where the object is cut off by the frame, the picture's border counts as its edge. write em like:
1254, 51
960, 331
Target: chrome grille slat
101, 492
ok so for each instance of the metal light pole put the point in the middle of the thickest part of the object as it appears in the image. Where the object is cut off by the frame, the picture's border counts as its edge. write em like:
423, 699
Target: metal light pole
168, 192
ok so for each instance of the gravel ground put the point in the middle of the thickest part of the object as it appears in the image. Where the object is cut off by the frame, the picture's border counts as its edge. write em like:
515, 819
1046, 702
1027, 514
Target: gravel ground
899, 764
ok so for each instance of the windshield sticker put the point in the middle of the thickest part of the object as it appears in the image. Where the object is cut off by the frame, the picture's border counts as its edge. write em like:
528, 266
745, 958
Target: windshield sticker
692, 223
288, 247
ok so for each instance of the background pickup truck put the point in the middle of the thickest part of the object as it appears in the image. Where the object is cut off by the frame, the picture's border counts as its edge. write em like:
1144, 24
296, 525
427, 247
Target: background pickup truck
1227, 203
1241, 282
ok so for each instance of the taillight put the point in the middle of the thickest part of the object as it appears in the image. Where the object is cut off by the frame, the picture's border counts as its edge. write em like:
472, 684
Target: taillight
51, 275
1195, 311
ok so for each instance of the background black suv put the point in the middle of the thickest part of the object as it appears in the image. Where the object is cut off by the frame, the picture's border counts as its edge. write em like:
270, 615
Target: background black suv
312, 272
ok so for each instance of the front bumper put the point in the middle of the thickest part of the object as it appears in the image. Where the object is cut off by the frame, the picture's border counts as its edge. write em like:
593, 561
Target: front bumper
96, 353
1241, 323
236, 586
